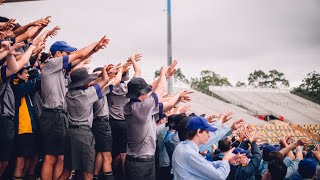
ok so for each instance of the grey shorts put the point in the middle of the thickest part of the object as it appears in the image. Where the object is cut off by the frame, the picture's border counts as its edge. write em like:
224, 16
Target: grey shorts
80, 153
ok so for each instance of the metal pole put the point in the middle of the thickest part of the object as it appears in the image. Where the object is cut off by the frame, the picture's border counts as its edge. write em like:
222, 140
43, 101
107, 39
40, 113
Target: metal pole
169, 51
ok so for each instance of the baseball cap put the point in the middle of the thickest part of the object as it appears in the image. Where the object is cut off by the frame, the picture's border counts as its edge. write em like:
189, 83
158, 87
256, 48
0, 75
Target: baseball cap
307, 168
61, 46
241, 151
199, 122
266, 151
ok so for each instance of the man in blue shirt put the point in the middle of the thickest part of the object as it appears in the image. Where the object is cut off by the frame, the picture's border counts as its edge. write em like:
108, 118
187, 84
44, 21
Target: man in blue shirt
187, 163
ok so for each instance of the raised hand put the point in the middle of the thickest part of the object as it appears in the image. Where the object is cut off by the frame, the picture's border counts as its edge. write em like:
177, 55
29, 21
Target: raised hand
137, 57
251, 137
126, 67
184, 96
42, 22
184, 109
225, 117
101, 44
8, 25
164, 70
303, 141
237, 124
171, 69
53, 32
211, 118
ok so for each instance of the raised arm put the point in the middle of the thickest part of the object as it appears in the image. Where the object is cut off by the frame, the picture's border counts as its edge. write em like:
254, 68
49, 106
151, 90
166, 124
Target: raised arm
170, 72
104, 79
13, 65
118, 76
29, 34
133, 60
300, 142
41, 22
86, 52
161, 86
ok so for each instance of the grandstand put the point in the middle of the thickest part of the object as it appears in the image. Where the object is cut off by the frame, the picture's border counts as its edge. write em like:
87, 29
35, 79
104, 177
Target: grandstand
278, 103
299, 117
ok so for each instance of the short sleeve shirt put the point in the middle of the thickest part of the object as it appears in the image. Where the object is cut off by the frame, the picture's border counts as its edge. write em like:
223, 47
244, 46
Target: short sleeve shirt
100, 107
7, 103
53, 82
116, 100
141, 122
80, 104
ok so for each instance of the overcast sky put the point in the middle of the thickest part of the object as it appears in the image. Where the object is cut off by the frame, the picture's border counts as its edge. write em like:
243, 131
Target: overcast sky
232, 38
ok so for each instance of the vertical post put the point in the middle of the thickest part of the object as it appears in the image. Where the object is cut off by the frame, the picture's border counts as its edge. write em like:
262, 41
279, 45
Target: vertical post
169, 50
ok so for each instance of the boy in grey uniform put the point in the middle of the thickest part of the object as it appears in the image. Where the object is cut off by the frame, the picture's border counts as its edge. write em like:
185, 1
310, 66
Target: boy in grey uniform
53, 89
117, 100
84, 91
102, 132
141, 113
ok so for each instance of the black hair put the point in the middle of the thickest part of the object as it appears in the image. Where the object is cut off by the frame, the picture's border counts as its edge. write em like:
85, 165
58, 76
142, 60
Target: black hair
224, 145
182, 128
275, 156
277, 169
97, 69
3, 19
177, 119
21, 70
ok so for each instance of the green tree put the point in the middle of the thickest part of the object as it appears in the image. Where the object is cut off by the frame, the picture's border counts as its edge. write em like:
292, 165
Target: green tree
178, 75
208, 78
241, 84
273, 79
310, 87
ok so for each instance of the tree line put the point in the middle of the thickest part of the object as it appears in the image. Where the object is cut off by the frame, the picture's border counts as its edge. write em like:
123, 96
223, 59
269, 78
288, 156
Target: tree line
309, 88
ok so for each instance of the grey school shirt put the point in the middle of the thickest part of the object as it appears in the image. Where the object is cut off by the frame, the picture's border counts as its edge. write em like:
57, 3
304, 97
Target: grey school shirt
100, 107
53, 82
80, 104
141, 121
117, 100
7, 102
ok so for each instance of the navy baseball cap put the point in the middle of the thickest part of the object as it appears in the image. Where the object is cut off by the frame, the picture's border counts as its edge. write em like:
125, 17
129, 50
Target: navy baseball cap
61, 46
266, 151
199, 122
241, 151
307, 168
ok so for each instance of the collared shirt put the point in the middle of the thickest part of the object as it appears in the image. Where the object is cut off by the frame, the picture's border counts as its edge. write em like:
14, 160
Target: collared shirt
7, 102
80, 104
216, 136
292, 167
164, 160
187, 163
53, 82
141, 122
100, 107
117, 100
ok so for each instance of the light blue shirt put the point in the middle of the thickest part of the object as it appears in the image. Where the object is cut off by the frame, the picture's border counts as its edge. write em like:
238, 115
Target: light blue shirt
187, 163
292, 167
164, 160
167, 136
222, 132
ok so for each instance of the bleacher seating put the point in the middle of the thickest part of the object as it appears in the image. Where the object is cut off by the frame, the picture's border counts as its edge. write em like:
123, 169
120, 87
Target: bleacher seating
272, 102
246, 103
